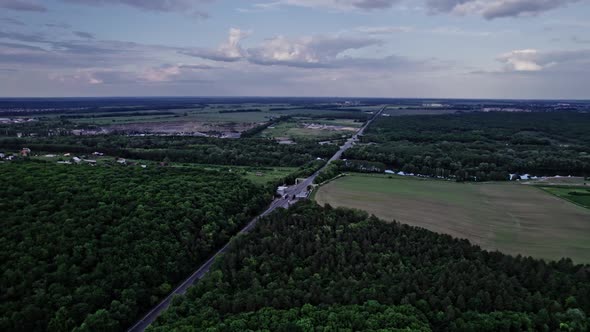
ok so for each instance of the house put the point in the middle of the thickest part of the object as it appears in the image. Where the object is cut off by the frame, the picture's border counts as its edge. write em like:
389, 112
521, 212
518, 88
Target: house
121, 161
388, 171
77, 160
281, 190
2, 155
401, 173
143, 166
100, 154
25, 152
67, 154
90, 161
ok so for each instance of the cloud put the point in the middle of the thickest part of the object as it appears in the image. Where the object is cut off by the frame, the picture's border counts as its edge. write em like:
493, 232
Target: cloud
531, 60
316, 51
229, 51
188, 7
22, 5
305, 52
58, 25
331, 4
11, 20
491, 9
383, 30
85, 35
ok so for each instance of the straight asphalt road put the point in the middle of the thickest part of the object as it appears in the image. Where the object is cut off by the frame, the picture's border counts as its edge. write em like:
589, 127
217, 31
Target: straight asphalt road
283, 202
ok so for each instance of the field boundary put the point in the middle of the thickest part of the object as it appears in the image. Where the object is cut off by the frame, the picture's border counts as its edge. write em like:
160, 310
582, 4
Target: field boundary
562, 198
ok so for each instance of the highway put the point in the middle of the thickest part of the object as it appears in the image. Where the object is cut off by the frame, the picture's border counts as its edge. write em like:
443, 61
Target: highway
283, 202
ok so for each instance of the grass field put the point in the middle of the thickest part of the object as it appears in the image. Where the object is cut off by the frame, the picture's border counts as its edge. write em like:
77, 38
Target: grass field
577, 195
258, 175
295, 129
512, 218
209, 115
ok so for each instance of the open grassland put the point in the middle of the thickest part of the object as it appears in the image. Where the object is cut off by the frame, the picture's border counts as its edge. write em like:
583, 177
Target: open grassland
257, 175
216, 114
577, 195
512, 218
298, 129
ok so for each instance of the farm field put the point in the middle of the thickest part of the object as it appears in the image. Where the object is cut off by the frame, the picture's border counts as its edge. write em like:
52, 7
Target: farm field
512, 218
577, 195
318, 129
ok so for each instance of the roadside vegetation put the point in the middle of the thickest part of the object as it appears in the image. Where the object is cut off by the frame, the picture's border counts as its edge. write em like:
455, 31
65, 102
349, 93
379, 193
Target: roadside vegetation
343, 270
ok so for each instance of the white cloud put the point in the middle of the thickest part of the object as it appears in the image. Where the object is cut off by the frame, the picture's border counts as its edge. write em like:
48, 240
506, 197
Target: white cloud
229, 51
316, 51
521, 60
531, 60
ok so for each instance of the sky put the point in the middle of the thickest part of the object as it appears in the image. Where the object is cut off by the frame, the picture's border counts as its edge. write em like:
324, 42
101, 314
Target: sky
524, 49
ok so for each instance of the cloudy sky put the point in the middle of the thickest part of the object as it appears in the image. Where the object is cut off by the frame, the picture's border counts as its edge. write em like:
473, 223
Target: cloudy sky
357, 48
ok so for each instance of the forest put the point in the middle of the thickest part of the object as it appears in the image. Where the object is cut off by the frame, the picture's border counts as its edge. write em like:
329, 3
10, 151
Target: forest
186, 149
92, 248
340, 269
480, 146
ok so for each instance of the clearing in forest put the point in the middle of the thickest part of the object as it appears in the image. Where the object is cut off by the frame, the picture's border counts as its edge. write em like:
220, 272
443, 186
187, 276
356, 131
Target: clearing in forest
512, 218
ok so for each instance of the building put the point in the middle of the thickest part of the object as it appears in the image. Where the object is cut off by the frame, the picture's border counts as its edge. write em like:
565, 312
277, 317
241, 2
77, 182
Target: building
282, 190
303, 195
25, 152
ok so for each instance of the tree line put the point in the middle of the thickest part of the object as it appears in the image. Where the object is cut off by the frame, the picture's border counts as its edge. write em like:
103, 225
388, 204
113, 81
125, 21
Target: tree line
201, 150
92, 248
317, 264
480, 146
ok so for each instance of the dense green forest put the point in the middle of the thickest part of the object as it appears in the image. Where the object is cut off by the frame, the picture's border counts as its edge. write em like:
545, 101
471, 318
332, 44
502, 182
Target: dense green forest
480, 146
91, 248
340, 269
244, 152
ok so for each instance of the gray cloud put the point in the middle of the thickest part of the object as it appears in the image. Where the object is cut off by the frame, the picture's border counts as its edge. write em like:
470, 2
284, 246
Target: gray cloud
85, 35
11, 20
332, 4
491, 9
22, 5
58, 25
188, 7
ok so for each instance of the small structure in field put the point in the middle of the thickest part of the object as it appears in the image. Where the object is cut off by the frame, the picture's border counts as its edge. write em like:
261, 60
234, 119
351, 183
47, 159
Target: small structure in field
25, 152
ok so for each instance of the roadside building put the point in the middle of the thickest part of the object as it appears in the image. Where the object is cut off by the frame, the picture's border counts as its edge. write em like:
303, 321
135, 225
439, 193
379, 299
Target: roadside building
282, 190
303, 195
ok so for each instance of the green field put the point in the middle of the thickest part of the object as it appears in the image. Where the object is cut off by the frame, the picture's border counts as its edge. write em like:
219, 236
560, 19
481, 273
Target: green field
208, 114
512, 218
295, 129
577, 195
257, 175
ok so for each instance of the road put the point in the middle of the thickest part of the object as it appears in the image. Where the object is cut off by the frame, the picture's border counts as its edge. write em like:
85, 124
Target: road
283, 202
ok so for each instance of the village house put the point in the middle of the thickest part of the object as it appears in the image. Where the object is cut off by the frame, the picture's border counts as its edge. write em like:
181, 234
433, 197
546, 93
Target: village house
25, 152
